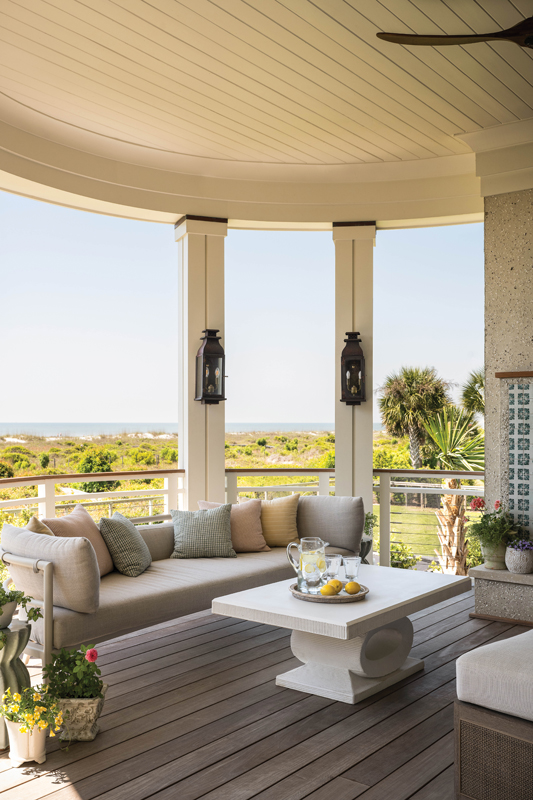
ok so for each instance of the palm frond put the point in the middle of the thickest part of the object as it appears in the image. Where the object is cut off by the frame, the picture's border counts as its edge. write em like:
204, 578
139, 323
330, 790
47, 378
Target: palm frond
461, 445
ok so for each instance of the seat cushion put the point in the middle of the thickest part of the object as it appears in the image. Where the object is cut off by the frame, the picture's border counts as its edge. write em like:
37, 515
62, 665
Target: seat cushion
246, 529
338, 520
166, 590
76, 574
80, 523
499, 676
128, 549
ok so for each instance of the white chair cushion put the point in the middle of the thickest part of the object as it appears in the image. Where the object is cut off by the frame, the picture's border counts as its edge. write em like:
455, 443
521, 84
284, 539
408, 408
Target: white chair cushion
499, 676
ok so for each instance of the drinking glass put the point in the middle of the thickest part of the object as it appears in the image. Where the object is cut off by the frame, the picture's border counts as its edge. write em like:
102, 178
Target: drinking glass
333, 565
351, 567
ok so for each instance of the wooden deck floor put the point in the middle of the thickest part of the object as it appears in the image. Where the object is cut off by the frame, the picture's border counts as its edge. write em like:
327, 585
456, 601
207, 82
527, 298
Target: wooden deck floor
193, 711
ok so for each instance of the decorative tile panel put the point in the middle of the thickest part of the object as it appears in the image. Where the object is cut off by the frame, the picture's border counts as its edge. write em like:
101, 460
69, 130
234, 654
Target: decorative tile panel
520, 453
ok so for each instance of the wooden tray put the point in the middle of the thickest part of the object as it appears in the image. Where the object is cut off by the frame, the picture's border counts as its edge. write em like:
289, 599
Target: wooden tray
336, 598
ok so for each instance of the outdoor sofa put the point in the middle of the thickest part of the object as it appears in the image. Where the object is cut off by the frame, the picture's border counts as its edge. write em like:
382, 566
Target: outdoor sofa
79, 611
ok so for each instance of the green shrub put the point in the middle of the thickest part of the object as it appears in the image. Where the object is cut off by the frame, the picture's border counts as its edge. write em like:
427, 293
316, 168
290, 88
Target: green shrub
6, 471
292, 445
402, 557
169, 454
248, 451
281, 439
44, 460
262, 442
96, 459
328, 460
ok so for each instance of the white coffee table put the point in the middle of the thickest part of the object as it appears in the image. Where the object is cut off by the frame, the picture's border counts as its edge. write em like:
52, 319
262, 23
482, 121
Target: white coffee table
353, 650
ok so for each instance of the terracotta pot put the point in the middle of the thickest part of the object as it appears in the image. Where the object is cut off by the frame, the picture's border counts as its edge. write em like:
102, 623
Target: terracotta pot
81, 717
25, 746
519, 561
494, 556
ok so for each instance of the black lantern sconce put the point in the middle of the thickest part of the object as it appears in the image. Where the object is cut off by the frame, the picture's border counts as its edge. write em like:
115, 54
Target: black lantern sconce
352, 371
210, 366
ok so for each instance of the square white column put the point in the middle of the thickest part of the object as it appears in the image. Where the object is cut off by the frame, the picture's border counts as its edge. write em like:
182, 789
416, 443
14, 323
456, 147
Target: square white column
354, 312
201, 305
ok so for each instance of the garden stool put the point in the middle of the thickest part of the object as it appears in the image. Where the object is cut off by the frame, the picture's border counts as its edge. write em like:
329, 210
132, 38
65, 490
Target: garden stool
494, 721
14, 674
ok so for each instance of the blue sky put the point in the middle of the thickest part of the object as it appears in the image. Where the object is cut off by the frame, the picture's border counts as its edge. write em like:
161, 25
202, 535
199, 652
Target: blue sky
88, 316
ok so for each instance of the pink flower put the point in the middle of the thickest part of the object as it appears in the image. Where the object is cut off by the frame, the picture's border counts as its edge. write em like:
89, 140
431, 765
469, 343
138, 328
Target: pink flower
477, 504
497, 505
91, 655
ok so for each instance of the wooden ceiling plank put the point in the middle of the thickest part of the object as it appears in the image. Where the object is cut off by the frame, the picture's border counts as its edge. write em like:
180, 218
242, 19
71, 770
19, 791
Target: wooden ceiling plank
309, 58
407, 17
295, 91
166, 132
427, 81
212, 76
77, 51
481, 61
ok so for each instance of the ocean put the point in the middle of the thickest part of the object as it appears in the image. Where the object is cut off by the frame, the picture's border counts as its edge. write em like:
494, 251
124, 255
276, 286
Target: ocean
116, 428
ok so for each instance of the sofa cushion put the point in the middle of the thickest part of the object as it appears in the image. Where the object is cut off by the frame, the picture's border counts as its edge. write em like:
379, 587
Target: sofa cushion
76, 573
128, 549
246, 529
337, 520
36, 526
80, 523
159, 539
278, 518
203, 534
499, 676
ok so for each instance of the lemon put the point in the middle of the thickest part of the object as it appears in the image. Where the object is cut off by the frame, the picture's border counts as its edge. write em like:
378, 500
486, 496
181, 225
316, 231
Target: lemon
352, 588
309, 568
337, 585
327, 590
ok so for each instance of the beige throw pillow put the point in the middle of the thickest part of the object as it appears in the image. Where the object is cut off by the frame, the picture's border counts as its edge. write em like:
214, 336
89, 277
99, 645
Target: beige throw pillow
80, 523
278, 518
36, 526
246, 530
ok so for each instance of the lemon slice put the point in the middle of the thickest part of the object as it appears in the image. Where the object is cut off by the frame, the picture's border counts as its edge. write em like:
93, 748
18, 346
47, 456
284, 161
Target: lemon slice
309, 568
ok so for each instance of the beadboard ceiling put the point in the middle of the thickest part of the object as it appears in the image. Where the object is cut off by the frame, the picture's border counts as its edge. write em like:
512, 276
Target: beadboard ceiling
295, 83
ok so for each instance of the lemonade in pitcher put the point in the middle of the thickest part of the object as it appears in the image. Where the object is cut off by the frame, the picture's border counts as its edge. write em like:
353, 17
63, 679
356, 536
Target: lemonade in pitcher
311, 565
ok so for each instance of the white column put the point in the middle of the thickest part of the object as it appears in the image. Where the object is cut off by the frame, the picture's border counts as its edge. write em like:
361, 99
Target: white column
354, 312
201, 306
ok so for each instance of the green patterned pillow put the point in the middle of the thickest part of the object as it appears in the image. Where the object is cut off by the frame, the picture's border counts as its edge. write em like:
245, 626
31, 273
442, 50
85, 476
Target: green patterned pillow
128, 549
203, 534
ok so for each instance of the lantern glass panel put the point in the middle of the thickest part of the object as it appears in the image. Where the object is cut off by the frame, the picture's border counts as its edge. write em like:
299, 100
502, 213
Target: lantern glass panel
212, 377
353, 377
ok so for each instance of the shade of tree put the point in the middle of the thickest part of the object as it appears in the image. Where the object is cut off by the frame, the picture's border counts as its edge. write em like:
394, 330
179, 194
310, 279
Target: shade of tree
461, 446
473, 392
410, 398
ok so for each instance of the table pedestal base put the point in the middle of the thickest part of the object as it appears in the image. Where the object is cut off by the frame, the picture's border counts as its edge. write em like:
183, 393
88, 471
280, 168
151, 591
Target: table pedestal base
350, 671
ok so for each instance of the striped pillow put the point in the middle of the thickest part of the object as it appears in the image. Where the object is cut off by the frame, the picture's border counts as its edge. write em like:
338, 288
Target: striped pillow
128, 549
278, 518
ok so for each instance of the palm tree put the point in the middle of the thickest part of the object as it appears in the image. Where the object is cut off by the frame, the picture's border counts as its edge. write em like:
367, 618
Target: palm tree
461, 446
410, 398
473, 392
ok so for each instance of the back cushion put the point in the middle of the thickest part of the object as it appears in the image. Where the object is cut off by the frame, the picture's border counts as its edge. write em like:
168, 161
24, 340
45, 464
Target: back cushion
80, 523
338, 520
76, 572
159, 539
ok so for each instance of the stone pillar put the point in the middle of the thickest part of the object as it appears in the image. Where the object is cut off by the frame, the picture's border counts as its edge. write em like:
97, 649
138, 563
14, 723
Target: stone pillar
201, 305
508, 319
354, 312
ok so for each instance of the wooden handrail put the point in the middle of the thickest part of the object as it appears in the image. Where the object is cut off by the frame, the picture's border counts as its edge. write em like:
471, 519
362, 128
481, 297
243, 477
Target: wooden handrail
279, 471
414, 472
92, 476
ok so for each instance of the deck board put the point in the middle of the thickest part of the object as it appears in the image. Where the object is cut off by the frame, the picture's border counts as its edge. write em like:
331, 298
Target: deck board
193, 712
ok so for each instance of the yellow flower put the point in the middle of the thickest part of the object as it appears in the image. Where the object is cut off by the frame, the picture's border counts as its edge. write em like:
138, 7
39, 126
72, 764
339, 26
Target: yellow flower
15, 708
44, 689
23, 729
16, 697
58, 728
42, 724
37, 697
51, 732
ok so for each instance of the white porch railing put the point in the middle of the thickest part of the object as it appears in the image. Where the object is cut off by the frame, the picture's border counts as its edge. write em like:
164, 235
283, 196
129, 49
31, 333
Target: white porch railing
47, 500
322, 487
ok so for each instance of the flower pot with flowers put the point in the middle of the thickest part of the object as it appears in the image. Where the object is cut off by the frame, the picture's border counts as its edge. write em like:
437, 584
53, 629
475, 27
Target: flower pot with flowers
494, 530
74, 678
28, 715
519, 556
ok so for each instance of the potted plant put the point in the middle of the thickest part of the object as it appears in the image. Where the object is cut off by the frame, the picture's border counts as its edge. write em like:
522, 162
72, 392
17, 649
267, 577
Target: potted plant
74, 678
9, 600
519, 556
371, 521
28, 715
494, 530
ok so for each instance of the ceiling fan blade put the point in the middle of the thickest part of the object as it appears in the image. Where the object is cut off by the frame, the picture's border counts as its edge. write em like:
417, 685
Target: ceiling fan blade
414, 39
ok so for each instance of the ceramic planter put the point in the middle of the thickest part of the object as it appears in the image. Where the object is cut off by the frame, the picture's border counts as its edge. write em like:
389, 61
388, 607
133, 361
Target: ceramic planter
519, 561
7, 614
81, 717
25, 746
494, 556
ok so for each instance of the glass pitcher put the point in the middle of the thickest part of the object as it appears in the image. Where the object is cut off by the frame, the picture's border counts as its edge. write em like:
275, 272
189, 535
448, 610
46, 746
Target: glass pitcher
311, 564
